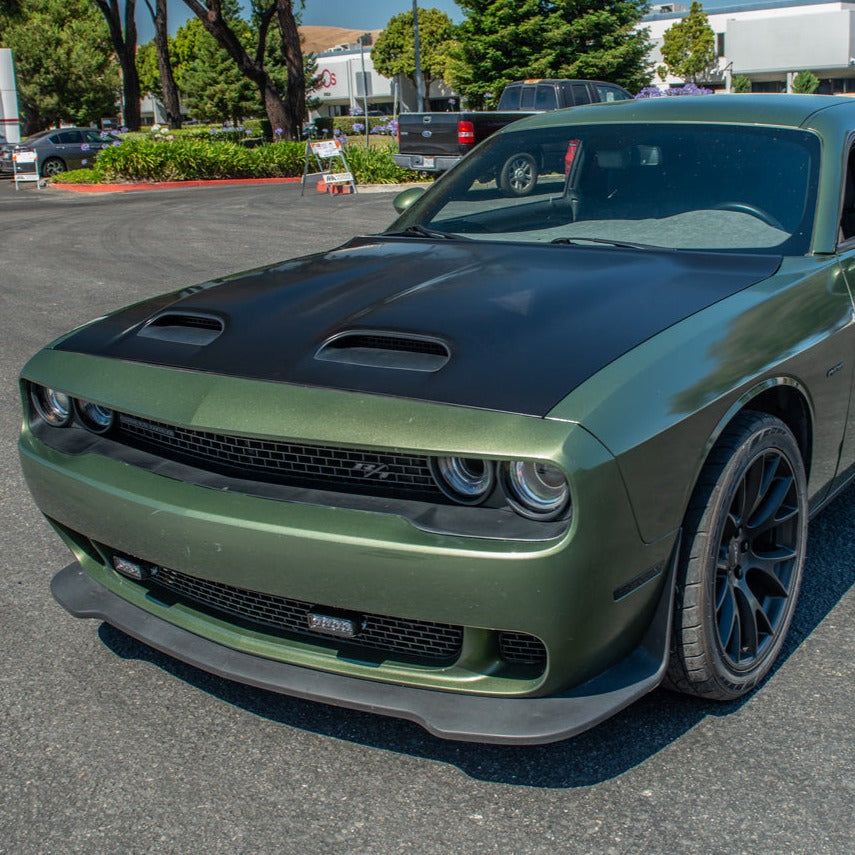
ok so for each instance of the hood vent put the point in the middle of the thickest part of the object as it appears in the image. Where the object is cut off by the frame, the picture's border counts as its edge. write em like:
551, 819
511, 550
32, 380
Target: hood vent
183, 328
373, 349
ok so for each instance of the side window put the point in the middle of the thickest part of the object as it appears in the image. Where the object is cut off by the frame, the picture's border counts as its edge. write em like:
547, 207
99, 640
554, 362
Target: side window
67, 137
580, 94
847, 217
527, 100
610, 93
55, 139
545, 97
510, 99
93, 136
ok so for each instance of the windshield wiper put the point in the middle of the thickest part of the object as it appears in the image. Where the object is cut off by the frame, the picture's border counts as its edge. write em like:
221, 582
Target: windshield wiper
624, 244
423, 231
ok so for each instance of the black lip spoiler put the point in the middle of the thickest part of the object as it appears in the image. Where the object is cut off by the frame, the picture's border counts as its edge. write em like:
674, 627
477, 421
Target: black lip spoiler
449, 715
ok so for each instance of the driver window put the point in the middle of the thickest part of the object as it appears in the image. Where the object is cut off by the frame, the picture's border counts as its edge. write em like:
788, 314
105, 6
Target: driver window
847, 218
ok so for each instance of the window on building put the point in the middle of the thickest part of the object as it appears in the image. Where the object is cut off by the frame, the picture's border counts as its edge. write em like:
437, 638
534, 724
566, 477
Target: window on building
719, 44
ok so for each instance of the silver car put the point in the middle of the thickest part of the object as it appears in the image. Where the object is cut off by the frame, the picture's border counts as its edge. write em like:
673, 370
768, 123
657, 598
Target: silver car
59, 149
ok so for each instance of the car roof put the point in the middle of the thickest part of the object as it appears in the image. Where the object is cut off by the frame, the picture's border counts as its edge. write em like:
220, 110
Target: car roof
780, 110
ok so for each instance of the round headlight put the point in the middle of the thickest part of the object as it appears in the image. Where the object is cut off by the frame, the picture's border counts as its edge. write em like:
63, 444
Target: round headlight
54, 407
95, 417
537, 490
465, 479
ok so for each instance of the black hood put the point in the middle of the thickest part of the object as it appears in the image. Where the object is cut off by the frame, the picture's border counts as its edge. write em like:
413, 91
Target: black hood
523, 324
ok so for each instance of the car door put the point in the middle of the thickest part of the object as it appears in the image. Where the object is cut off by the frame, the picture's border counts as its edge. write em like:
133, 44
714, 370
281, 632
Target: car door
71, 142
846, 257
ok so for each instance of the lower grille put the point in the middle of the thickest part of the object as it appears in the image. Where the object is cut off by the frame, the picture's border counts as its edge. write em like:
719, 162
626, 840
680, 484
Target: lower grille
521, 649
315, 466
436, 642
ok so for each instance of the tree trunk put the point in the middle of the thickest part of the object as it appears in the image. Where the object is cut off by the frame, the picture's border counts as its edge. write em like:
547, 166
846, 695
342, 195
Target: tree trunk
251, 67
295, 91
125, 46
168, 87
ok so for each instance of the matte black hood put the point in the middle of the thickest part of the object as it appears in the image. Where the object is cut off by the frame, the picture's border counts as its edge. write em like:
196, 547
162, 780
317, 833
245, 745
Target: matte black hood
525, 324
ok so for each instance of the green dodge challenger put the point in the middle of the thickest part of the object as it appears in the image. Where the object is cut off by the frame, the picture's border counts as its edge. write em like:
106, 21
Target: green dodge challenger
504, 467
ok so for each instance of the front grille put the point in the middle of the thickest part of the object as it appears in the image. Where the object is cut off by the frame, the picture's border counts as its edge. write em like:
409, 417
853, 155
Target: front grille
434, 642
521, 649
314, 466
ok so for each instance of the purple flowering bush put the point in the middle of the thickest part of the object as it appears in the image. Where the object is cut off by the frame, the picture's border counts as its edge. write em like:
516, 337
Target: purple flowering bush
674, 91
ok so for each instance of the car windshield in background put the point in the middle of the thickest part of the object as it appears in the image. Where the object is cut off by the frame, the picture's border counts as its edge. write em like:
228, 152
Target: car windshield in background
703, 187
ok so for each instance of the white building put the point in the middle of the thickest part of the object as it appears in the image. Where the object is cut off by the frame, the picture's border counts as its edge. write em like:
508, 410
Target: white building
10, 124
343, 83
772, 41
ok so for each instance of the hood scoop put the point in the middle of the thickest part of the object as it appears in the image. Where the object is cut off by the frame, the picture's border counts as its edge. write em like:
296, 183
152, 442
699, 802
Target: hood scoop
403, 351
183, 328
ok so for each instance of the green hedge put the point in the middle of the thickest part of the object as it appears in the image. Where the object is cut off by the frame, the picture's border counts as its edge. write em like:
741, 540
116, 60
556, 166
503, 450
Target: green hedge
187, 159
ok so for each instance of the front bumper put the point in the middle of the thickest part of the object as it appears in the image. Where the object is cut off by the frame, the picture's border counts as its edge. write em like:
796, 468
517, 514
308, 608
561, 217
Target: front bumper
469, 718
426, 163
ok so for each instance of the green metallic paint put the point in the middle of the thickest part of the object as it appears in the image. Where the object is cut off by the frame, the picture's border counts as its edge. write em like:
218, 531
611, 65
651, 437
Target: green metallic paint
690, 380
365, 561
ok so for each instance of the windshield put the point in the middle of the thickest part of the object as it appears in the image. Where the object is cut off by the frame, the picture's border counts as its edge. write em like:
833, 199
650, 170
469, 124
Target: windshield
703, 187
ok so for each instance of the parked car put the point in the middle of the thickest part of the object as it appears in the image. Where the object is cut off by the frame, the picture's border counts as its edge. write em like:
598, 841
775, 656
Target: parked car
59, 149
504, 467
434, 142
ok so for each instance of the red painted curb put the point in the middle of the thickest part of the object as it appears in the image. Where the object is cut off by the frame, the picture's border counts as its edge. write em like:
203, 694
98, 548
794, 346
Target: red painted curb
169, 185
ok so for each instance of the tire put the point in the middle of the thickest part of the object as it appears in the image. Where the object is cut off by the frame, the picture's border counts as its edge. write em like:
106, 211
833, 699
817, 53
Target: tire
724, 641
518, 175
53, 166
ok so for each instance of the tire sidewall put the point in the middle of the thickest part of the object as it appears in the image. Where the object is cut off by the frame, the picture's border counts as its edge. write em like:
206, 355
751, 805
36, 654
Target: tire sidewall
772, 437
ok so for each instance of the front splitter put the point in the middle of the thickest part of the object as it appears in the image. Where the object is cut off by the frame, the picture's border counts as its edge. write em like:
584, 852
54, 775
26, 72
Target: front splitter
449, 715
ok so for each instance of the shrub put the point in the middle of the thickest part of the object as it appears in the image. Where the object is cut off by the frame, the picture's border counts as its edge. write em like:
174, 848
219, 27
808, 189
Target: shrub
78, 176
740, 83
687, 89
346, 124
805, 83
187, 158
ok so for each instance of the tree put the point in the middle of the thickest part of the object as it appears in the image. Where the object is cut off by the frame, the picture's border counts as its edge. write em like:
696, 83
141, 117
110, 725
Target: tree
394, 52
292, 52
805, 83
64, 63
213, 86
168, 87
250, 62
125, 46
504, 40
740, 83
688, 47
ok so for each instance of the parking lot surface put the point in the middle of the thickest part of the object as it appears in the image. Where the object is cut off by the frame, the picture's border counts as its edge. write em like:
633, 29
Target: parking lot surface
108, 746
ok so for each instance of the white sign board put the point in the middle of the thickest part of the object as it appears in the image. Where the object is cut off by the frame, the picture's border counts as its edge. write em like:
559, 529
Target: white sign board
24, 156
339, 178
326, 148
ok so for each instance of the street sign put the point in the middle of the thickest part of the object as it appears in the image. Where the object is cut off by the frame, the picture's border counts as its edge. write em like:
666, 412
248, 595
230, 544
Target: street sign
25, 157
331, 164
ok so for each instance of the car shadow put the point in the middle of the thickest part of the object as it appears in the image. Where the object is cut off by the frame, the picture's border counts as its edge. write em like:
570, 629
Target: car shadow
605, 752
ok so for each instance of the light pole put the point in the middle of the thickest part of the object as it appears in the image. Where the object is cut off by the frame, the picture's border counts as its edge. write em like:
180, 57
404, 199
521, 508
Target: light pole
364, 39
417, 50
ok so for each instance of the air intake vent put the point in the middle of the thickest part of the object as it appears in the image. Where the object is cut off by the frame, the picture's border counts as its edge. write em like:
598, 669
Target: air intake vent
183, 328
386, 350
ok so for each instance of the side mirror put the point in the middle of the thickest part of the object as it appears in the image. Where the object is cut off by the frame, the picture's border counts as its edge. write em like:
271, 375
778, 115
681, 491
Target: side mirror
406, 198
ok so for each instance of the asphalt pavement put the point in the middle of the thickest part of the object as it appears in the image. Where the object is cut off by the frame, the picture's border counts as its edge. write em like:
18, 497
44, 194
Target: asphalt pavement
108, 746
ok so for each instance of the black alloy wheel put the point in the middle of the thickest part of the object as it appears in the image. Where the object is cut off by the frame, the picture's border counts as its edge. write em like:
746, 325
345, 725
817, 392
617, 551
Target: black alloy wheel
742, 560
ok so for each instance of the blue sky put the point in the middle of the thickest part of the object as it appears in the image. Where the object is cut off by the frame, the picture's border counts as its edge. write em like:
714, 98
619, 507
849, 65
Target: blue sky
355, 14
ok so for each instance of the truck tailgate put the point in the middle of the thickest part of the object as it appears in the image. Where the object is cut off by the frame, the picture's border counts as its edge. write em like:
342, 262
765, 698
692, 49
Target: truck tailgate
429, 133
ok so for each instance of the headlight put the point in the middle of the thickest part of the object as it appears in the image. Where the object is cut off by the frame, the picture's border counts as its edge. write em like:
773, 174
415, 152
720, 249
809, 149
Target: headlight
53, 406
95, 417
465, 479
537, 490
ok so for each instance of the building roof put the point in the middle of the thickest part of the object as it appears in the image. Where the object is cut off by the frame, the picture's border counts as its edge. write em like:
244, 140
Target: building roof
780, 110
318, 39
736, 6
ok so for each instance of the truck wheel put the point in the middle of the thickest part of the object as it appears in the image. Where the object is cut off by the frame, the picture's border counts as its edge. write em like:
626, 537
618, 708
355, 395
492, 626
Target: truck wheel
518, 175
742, 560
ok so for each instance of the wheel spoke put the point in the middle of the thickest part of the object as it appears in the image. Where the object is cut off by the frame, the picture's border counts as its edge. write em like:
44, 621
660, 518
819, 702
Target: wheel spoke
727, 617
764, 516
765, 569
749, 635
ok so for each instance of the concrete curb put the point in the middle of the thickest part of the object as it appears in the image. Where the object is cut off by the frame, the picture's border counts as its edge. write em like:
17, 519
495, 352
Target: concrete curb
218, 182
